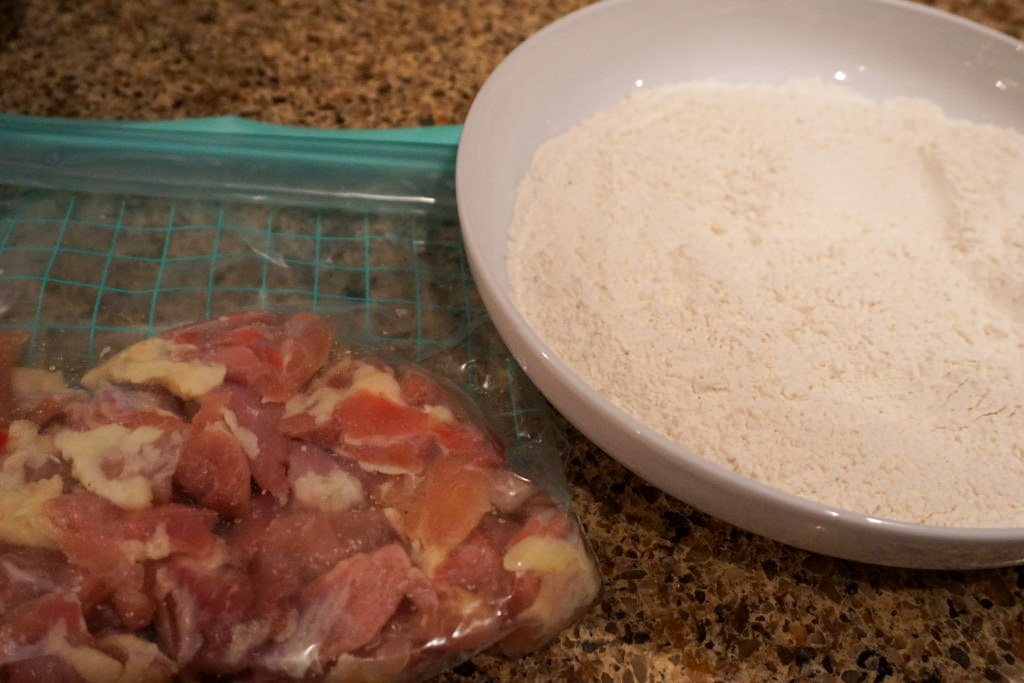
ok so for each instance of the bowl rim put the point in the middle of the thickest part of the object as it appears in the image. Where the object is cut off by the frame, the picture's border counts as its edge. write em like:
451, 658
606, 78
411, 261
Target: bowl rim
681, 456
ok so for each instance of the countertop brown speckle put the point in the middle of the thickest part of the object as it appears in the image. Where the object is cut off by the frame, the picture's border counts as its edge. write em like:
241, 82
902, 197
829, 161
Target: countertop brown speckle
687, 597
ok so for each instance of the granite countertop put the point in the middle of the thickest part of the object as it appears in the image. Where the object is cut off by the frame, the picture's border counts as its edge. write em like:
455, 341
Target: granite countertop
687, 597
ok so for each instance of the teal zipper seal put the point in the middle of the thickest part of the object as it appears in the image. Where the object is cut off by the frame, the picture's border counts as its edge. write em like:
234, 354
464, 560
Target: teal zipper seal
235, 125
230, 158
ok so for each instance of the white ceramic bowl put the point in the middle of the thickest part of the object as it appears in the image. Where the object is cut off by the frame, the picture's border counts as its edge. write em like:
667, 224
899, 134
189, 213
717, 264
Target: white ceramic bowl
590, 60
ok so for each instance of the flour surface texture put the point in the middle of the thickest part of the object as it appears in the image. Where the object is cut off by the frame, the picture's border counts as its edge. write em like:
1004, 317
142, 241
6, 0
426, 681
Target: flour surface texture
819, 291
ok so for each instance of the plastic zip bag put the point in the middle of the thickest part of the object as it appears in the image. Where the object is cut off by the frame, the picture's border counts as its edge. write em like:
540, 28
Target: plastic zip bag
84, 275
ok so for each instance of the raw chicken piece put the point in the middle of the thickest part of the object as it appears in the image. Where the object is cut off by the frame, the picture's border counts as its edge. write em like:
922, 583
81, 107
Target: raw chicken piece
444, 508
214, 471
358, 410
556, 579
234, 436
343, 610
29, 573
46, 639
203, 615
284, 551
273, 356
113, 544
253, 424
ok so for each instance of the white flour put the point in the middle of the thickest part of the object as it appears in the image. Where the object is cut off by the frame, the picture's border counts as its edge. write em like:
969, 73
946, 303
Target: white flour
810, 288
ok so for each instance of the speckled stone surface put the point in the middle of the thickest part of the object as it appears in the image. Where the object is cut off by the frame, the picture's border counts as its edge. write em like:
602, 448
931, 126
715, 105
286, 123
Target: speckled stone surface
687, 597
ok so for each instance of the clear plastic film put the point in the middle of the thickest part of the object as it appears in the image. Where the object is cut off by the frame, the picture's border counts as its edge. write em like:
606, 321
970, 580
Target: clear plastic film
404, 502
